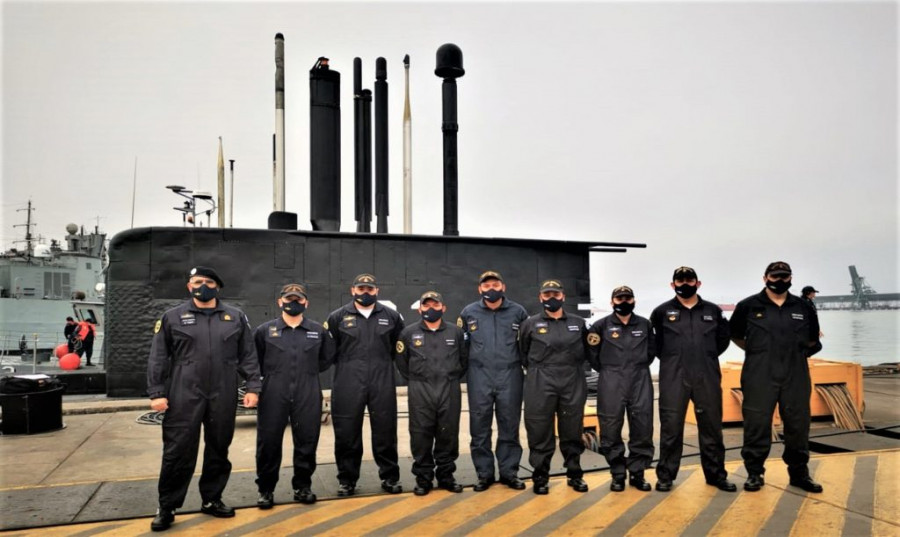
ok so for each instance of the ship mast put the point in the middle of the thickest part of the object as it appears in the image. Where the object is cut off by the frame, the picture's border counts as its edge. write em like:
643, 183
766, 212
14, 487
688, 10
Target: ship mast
29, 247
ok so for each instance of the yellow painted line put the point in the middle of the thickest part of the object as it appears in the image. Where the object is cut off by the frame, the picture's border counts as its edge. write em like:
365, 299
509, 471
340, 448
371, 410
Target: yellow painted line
538, 508
153, 477
461, 512
214, 526
887, 496
383, 517
602, 514
747, 515
818, 515
679, 508
311, 517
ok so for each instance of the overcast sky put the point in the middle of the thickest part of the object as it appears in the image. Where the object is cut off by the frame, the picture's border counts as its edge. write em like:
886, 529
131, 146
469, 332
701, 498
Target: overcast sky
723, 135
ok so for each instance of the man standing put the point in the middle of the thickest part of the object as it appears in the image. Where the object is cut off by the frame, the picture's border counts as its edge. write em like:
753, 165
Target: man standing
198, 349
778, 332
553, 345
366, 333
690, 335
623, 347
433, 356
69, 333
292, 351
808, 294
494, 380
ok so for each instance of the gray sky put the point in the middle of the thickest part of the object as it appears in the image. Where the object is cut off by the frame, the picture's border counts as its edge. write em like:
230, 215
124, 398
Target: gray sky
724, 135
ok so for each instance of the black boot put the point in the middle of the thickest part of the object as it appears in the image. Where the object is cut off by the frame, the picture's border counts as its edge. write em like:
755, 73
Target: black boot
163, 520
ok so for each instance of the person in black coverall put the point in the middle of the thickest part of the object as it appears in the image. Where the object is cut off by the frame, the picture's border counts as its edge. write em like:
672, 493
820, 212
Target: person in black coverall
292, 350
365, 333
198, 350
690, 335
495, 380
553, 345
622, 349
69, 333
433, 356
778, 332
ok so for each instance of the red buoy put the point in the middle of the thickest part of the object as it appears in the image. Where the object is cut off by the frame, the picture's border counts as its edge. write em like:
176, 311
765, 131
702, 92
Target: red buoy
70, 361
62, 350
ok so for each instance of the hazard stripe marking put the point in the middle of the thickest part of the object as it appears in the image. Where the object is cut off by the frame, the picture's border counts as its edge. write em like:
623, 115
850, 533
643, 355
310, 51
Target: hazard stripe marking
383, 517
751, 510
464, 511
818, 515
536, 509
887, 496
679, 508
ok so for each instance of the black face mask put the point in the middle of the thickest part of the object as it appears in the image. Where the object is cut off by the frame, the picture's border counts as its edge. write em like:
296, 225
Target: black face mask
779, 287
552, 304
364, 299
685, 290
205, 293
625, 308
492, 295
432, 315
293, 308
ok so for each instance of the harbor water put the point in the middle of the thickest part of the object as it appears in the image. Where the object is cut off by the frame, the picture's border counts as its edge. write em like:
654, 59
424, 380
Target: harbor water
865, 337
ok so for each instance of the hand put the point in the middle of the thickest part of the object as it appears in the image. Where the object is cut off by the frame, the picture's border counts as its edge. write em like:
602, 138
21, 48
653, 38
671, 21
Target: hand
250, 400
159, 404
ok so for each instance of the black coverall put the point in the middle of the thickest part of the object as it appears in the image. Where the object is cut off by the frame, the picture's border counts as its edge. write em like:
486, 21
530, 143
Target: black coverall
494, 382
195, 358
777, 341
554, 352
364, 376
69, 334
622, 357
433, 362
688, 344
290, 360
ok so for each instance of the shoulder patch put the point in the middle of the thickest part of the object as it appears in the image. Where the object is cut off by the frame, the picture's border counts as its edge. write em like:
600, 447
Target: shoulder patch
459, 322
325, 325
593, 339
400, 347
157, 326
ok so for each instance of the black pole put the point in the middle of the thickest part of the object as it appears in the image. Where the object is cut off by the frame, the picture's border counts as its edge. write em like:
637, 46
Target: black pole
366, 160
450, 67
381, 144
325, 147
358, 145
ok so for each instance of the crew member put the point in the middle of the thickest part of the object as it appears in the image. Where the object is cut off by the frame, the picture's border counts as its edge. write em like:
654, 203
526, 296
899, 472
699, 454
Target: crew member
433, 356
292, 350
553, 345
623, 348
690, 335
778, 332
366, 333
198, 350
85, 333
808, 295
69, 333
494, 381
